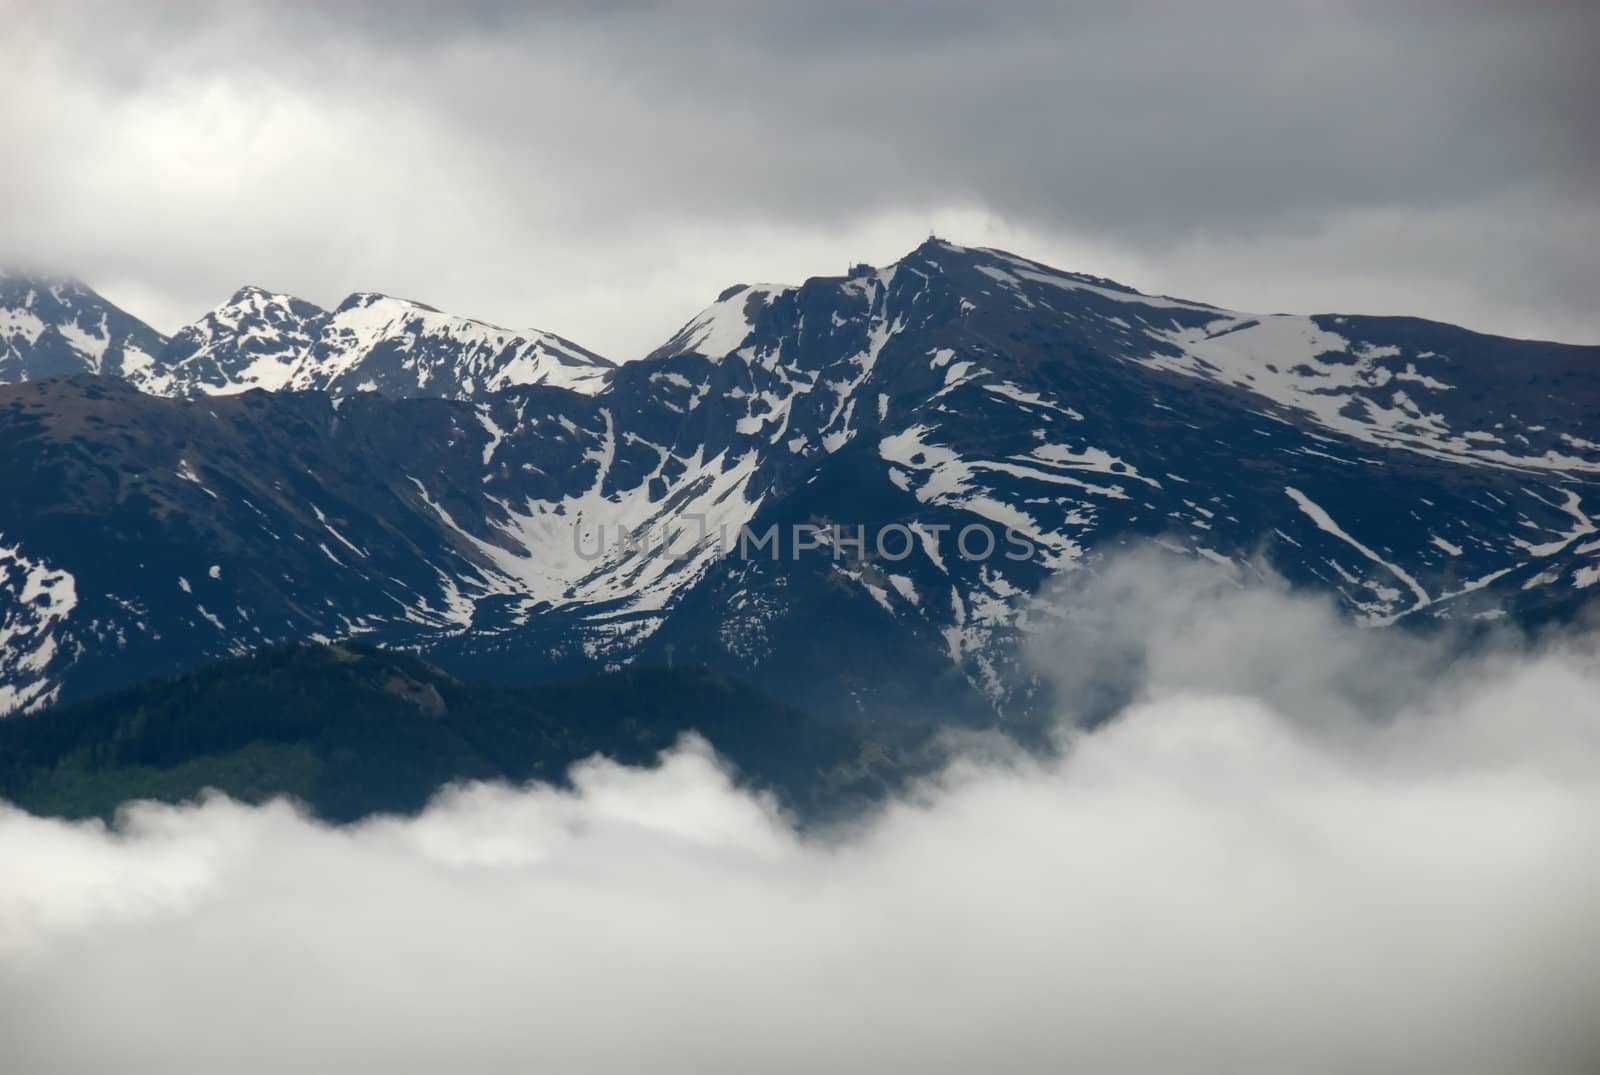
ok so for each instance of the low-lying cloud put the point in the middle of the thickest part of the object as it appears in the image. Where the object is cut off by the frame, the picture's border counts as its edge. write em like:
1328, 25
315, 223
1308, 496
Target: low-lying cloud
1295, 846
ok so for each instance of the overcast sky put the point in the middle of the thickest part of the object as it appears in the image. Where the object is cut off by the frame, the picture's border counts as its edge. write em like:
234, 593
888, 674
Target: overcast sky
602, 171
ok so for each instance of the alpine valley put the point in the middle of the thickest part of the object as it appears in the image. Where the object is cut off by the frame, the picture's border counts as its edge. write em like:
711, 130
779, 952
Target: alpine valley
277, 472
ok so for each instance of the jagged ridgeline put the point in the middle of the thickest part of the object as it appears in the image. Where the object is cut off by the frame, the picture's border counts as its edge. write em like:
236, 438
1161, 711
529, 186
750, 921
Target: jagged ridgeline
259, 339
418, 479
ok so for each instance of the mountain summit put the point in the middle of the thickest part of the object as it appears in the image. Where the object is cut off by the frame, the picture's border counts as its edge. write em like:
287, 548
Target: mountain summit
52, 326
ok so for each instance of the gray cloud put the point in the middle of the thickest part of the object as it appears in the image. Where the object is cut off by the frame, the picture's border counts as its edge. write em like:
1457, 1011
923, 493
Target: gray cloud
602, 171
1256, 867
1148, 624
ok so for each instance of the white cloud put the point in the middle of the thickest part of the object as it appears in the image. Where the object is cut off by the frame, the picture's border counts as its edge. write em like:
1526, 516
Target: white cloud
1296, 848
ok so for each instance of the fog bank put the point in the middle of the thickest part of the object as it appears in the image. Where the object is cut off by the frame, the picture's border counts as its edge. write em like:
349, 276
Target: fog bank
1295, 847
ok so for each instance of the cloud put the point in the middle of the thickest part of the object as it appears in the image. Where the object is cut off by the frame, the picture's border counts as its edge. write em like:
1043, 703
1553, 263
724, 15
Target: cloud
1147, 624
604, 170
1266, 861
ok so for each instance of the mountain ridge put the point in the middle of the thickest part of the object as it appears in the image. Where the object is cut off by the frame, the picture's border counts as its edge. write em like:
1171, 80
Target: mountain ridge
259, 338
1416, 473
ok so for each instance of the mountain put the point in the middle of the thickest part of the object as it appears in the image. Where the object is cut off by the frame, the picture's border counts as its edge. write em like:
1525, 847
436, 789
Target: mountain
51, 326
369, 343
254, 340
351, 730
1417, 472
262, 339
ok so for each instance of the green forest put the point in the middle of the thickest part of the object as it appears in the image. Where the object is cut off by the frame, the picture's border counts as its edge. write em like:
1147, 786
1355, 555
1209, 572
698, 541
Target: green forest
351, 730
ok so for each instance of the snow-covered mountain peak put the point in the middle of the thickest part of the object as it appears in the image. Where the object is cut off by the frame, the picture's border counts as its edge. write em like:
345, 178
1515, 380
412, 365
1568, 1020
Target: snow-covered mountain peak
370, 315
254, 340
1385, 381
375, 342
723, 327
265, 339
56, 325
1017, 272
252, 297
370, 341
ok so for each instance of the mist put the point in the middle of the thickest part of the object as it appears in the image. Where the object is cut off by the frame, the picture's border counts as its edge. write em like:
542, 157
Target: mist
1269, 842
